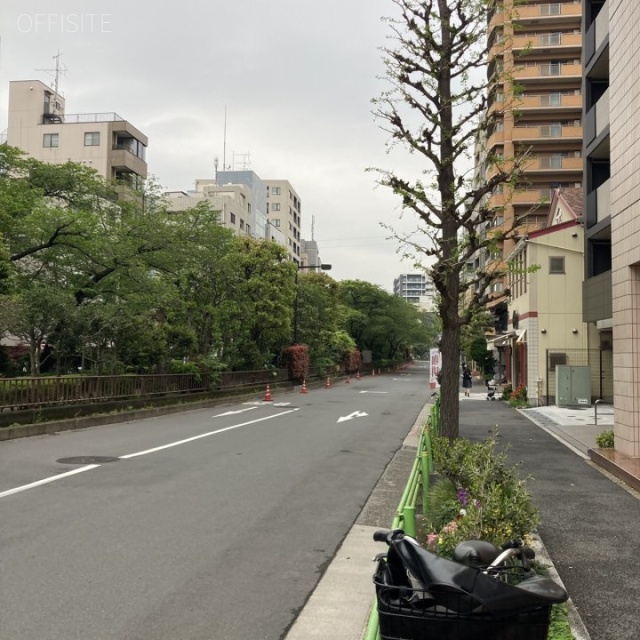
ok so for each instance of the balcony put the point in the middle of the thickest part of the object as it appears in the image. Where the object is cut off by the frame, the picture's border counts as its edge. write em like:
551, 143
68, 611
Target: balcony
547, 133
548, 72
549, 42
125, 161
532, 197
554, 164
599, 204
550, 102
496, 138
552, 13
496, 19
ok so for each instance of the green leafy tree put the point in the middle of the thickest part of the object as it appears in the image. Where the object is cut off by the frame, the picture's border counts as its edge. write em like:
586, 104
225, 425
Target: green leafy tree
380, 322
436, 107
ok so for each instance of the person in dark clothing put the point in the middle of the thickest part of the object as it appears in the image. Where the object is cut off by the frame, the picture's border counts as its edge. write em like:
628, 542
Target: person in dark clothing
467, 383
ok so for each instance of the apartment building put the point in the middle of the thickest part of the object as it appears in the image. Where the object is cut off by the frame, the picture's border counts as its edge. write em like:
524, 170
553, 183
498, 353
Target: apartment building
235, 204
39, 125
612, 245
415, 288
284, 210
535, 102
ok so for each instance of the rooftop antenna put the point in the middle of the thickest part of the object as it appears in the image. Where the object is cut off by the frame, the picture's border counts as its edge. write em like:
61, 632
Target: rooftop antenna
56, 74
313, 228
215, 167
224, 144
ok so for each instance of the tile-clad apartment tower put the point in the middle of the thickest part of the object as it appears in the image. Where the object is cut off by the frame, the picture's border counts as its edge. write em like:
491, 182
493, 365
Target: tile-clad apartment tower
535, 46
612, 145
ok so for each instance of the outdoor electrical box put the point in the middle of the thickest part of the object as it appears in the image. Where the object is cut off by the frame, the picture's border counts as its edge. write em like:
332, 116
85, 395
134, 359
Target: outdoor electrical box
573, 386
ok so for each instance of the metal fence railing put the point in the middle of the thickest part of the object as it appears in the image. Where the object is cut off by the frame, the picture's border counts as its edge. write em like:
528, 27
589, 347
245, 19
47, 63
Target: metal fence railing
417, 485
46, 391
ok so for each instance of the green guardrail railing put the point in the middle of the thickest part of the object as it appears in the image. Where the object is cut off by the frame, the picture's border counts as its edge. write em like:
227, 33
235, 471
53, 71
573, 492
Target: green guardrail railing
418, 484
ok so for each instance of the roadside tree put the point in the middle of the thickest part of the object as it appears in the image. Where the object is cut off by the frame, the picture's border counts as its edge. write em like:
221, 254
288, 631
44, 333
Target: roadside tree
436, 107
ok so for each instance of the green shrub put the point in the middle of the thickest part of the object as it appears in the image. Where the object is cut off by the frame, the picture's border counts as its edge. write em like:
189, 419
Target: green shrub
605, 440
507, 390
490, 500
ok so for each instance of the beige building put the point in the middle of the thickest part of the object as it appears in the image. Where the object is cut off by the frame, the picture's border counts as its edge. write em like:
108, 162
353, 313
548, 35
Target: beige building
235, 204
546, 327
39, 125
284, 211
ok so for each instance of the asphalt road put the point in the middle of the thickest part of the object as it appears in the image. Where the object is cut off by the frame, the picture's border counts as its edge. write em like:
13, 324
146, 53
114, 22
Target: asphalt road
205, 525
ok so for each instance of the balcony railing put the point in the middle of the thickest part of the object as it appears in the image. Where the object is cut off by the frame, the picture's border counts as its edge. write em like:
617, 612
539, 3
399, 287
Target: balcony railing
80, 118
554, 163
551, 100
550, 132
599, 204
532, 196
548, 40
553, 11
548, 71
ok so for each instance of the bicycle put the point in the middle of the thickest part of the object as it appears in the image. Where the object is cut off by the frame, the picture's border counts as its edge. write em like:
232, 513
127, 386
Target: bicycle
484, 593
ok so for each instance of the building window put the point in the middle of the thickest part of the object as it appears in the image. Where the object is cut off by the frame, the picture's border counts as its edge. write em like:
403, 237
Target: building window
92, 139
232, 218
276, 223
556, 359
275, 206
275, 191
556, 264
50, 140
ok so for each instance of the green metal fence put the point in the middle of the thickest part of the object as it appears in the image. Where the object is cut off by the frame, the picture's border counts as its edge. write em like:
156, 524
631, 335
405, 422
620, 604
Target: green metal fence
417, 485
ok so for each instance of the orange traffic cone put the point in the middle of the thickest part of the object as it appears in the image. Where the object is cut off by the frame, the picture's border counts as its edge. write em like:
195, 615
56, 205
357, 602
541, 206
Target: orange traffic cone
328, 384
348, 380
304, 386
267, 395
358, 376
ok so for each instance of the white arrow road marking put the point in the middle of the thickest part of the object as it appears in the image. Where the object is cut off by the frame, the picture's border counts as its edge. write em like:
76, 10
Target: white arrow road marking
355, 414
374, 392
280, 404
231, 413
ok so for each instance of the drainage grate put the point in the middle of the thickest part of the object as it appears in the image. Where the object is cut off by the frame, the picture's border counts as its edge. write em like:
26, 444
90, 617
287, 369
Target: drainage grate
88, 460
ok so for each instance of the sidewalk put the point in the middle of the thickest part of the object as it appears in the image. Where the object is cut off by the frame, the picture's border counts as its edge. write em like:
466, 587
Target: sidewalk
590, 522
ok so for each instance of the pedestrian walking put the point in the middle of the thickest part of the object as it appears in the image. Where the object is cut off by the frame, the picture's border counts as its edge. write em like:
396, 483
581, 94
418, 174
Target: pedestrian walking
467, 382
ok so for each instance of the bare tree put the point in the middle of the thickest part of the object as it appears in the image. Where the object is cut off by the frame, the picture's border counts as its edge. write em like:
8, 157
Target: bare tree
441, 105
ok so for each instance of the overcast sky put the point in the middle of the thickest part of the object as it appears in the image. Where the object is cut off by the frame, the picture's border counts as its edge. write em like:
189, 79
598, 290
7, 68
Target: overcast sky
296, 78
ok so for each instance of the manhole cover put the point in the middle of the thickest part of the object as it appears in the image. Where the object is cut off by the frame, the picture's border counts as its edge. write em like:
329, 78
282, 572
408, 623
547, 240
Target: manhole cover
88, 460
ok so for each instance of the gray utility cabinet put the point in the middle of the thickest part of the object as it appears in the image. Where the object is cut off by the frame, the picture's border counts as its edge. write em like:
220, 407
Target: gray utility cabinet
573, 386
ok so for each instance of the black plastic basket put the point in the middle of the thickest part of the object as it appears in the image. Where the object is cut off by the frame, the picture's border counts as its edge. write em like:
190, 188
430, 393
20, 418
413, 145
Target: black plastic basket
412, 614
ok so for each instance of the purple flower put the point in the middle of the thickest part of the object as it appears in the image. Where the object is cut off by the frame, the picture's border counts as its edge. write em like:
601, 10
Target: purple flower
463, 497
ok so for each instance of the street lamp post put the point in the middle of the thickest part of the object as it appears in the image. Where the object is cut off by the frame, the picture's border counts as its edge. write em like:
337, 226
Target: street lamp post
316, 267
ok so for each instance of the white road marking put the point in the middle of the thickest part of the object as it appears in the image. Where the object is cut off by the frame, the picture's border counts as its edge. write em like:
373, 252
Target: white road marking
379, 392
203, 435
355, 414
39, 483
231, 413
